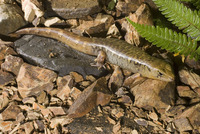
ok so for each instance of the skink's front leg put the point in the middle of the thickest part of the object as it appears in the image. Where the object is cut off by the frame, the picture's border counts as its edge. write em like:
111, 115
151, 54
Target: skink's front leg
100, 60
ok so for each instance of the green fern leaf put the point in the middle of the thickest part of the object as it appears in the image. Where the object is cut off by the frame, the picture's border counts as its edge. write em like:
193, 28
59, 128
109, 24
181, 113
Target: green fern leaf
168, 39
184, 18
185, 0
196, 3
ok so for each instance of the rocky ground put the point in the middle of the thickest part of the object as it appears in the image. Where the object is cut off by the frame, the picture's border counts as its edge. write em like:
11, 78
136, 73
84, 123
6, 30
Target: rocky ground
46, 87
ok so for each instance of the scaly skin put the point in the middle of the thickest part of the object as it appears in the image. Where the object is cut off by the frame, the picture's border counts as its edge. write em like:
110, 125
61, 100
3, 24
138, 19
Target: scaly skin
117, 52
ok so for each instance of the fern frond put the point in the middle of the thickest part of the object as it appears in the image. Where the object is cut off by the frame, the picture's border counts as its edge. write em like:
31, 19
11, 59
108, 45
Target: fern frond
186, 0
184, 18
168, 39
196, 3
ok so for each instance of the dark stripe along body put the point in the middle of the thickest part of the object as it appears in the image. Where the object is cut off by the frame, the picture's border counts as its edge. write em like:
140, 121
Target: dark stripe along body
118, 52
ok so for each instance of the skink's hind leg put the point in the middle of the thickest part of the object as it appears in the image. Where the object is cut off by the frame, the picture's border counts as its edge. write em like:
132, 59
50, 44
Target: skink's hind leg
100, 60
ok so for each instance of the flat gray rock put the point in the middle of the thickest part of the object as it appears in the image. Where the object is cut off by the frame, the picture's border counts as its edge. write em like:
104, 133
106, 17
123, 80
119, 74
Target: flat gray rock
55, 56
68, 9
11, 18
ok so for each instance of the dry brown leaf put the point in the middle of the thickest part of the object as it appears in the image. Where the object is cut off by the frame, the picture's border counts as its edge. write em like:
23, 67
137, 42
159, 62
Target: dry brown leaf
97, 93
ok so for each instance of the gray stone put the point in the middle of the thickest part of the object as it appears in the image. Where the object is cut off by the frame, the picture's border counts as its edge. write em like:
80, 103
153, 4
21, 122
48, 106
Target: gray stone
185, 91
97, 93
3, 101
71, 9
183, 124
189, 116
12, 64
96, 26
5, 50
116, 79
88, 125
11, 112
28, 126
154, 93
64, 84
6, 78
188, 77
36, 50
192, 63
32, 80
125, 7
6, 125
40, 125
11, 18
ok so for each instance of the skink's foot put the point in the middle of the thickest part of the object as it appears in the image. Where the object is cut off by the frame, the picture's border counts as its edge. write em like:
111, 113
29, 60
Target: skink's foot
97, 65
100, 60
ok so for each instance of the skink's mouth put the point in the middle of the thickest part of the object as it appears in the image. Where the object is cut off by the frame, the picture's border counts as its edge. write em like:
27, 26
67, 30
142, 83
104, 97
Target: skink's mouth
166, 76
169, 73
169, 78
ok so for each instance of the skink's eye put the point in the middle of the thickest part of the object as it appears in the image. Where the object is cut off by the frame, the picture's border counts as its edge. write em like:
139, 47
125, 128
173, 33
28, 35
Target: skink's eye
160, 74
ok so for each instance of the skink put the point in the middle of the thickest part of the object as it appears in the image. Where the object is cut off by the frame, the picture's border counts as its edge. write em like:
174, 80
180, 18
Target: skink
117, 52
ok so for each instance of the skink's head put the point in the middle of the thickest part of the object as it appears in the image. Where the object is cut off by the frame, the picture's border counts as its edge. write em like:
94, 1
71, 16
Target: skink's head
158, 69
164, 71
